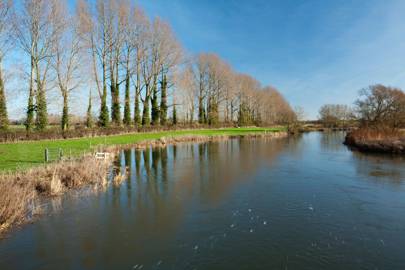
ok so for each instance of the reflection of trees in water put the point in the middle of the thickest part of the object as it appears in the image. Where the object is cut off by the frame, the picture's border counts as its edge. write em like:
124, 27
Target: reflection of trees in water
300, 145
163, 163
294, 145
332, 141
150, 206
380, 167
162, 182
137, 162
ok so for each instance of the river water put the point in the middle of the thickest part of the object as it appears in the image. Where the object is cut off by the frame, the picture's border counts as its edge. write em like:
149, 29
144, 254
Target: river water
296, 203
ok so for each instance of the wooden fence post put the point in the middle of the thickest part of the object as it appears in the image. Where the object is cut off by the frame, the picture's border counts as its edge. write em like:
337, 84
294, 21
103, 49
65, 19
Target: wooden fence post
46, 155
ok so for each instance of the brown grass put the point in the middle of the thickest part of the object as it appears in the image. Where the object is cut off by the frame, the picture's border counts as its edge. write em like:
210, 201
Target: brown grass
370, 134
15, 202
377, 140
118, 179
21, 191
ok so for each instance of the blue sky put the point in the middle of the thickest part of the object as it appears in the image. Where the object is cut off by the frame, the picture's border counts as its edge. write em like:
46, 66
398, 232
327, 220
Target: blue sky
313, 51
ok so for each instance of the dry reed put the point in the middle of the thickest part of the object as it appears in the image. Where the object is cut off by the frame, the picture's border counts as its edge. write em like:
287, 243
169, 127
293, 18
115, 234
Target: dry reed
20, 191
370, 134
377, 140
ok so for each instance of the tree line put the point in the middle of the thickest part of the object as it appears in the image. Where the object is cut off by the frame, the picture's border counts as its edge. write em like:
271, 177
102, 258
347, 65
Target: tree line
133, 66
336, 115
377, 107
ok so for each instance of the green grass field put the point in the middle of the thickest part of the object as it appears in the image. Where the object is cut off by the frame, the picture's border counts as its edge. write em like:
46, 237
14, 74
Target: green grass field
21, 155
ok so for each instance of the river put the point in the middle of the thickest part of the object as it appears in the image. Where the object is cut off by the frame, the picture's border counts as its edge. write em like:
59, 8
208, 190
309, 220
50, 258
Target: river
303, 202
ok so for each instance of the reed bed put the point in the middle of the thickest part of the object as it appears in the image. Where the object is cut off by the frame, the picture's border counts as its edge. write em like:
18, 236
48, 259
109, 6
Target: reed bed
368, 134
21, 191
377, 140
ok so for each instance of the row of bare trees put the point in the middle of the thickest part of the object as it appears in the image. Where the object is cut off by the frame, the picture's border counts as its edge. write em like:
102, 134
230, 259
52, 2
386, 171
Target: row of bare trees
135, 63
212, 92
377, 107
336, 115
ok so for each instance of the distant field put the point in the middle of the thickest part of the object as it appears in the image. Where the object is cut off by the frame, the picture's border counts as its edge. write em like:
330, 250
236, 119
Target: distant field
16, 127
22, 155
22, 127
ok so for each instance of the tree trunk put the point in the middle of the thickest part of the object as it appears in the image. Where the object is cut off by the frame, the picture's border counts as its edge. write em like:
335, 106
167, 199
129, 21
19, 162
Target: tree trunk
3, 105
146, 112
41, 120
65, 112
174, 115
155, 106
29, 122
127, 109
103, 119
89, 120
201, 113
137, 110
163, 102
113, 100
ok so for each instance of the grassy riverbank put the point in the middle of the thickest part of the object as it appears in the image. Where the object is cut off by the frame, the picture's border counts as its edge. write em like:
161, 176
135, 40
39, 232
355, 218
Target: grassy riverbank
21, 155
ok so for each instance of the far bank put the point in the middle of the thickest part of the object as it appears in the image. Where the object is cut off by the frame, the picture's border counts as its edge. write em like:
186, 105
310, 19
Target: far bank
26, 154
378, 141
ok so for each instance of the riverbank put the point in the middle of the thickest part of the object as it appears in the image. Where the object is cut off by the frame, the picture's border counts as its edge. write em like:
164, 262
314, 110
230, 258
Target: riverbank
367, 140
27, 154
305, 128
25, 188
17, 133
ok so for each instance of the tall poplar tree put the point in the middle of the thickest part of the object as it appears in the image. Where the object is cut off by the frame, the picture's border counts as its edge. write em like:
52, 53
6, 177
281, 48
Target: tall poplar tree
34, 33
3, 107
174, 115
163, 101
127, 108
5, 11
155, 106
89, 116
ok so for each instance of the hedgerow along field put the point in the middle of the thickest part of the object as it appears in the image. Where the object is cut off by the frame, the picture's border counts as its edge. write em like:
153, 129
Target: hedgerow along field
26, 154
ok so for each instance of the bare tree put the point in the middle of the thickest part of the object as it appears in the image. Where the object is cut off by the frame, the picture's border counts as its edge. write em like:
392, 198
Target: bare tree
137, 34
164, 54
66, 58
212, 77
94, 29
171, 56
335, 115
35, 35
380, 106
5, 42
117, 14
126, 11
187, 93
148, 69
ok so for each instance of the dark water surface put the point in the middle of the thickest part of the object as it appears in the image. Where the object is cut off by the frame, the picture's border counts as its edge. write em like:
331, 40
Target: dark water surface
296, 203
